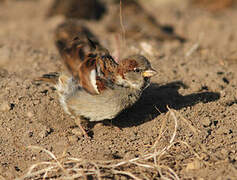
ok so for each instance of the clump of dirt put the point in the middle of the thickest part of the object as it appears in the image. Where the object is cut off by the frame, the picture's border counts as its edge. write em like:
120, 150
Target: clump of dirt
197, 79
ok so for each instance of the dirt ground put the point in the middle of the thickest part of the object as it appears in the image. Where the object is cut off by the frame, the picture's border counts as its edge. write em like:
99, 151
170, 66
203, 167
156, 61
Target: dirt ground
197, 79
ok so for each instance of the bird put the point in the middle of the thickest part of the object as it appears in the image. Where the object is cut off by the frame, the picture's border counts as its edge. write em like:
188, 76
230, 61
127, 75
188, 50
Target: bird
98, 88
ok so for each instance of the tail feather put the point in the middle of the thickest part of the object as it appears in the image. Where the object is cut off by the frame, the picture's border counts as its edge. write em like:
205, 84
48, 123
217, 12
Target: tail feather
51, 78
63, 83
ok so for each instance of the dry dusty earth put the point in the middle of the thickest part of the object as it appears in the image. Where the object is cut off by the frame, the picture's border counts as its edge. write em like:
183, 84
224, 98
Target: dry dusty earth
197, 79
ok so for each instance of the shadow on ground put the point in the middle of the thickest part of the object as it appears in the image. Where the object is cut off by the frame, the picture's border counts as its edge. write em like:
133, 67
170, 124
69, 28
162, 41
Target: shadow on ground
158, 97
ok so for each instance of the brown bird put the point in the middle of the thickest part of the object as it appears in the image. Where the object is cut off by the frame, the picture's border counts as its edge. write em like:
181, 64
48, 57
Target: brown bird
139, 23
99, 88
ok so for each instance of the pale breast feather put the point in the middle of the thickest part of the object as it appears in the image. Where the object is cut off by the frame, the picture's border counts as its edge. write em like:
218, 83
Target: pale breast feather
93, 75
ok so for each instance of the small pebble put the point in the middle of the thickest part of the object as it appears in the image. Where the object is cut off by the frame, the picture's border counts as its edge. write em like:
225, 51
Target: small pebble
29, 114
77, 131
45, 132
72, 139
30, 134
196, 164
206, 122
98, 125
5, 106
33, 158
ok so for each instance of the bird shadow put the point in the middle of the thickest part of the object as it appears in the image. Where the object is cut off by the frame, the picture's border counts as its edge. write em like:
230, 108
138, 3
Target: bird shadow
155, 100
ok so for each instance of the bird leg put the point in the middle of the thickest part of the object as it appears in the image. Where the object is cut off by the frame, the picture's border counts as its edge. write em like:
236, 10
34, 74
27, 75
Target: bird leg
78, 123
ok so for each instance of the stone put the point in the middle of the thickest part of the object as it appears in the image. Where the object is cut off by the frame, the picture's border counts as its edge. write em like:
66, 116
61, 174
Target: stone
4, 106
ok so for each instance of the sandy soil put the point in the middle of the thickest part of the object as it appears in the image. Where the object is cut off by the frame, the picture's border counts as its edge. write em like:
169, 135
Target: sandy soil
197, 78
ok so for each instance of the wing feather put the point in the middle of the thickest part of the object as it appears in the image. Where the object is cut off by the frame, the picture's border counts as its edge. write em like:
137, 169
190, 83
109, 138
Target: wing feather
88, 62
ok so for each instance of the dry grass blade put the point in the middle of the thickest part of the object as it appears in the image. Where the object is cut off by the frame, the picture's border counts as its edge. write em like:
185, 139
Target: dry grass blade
195, 131
161, 131
175, 126
72, 168
121, 24
50, 154
192, 49
36, 173
126, 173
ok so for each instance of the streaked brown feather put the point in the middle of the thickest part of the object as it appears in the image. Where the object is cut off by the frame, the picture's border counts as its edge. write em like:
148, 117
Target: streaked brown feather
82, 53
50, 77
126, 65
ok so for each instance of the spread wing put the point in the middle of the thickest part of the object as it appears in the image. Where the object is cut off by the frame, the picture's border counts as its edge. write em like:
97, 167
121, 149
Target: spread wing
68, 30
89, 63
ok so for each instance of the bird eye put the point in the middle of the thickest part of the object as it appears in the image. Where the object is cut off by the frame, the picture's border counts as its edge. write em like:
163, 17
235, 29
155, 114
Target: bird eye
136, 70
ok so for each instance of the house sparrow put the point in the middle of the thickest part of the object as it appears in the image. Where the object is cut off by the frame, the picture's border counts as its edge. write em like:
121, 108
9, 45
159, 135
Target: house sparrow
79, 9
99, 88
138, 22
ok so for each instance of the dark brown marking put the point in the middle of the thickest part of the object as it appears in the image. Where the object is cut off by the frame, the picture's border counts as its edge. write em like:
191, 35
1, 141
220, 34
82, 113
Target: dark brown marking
125, 66
51, 78
101, 84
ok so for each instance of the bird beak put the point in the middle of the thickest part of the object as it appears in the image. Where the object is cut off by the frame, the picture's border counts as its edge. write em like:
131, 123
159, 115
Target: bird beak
149, 73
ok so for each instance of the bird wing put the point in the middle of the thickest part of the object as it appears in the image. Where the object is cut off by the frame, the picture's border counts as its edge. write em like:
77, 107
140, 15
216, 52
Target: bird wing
90, 64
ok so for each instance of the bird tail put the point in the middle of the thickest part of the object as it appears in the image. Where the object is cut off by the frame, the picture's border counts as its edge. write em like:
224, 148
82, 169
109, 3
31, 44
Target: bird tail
64, 84
50, 78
